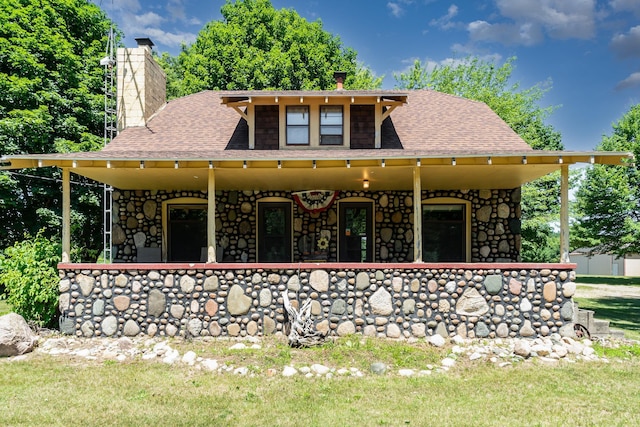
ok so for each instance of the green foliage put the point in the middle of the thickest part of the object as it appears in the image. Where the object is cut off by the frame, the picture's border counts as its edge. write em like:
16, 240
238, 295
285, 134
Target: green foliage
608, 199
51, 100
256, 47
28, 271
483, 81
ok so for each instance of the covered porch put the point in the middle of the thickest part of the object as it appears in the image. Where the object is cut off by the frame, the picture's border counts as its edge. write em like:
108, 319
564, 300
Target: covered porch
391, 291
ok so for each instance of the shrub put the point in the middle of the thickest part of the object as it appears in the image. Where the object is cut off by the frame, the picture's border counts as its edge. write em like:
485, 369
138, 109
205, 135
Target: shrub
28, 272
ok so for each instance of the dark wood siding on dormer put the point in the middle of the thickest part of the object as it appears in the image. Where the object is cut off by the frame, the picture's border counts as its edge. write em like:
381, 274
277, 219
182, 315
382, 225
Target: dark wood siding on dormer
363, 126
266, 127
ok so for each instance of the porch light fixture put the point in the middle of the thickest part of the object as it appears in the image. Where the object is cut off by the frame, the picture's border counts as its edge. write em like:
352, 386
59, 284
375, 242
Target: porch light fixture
524, 160
279, 164
592, 159
453, 161
418, 162
276, 99
489, 161
301, 100
560, 161
141, 164
348, 164
326, 99
210, 164
74, 164
244, 164
108, 164
39, 163
383, 164
365, 184
314, 164
176, 165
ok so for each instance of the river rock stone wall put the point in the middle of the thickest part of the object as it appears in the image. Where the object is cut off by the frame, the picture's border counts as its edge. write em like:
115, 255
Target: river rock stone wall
393, 303
495, 223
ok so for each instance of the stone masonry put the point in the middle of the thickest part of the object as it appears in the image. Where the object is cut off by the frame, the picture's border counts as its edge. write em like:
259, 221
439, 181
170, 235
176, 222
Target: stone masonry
394, 303
495, 223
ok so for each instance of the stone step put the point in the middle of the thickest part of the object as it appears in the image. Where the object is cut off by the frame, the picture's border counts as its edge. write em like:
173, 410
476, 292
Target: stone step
600, 327
615, 333
585, 318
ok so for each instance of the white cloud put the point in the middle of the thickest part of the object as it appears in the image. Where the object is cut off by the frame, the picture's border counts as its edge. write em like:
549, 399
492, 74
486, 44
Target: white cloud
396, 9
625, 6
167, 38
528, 21
149, 19
507, 34
631, 81
444, 22
627, 45
560, 19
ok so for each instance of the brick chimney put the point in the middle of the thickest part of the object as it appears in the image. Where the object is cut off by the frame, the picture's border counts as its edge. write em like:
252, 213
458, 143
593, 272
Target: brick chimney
142, 85
339, 76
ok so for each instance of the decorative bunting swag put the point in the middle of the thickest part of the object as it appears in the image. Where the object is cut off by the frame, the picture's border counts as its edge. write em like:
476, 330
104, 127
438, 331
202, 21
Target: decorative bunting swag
314, 201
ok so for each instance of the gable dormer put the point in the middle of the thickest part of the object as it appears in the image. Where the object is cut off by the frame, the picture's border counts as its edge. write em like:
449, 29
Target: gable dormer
339, 119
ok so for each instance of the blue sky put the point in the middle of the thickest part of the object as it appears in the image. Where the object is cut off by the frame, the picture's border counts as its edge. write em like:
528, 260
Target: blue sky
587, 51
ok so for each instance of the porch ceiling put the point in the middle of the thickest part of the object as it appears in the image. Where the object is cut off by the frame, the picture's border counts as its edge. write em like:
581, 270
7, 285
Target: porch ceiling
330, 178
304, 173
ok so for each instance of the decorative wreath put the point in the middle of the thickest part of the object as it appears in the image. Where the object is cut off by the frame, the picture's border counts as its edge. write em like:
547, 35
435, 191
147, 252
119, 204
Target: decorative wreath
323, 243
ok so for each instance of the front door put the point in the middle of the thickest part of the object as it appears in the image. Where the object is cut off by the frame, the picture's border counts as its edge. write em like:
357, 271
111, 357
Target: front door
355, 234
274, 232
187, 232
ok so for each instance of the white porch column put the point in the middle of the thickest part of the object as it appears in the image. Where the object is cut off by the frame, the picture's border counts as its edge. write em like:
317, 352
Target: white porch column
66, 215
417, 215
211, 217
564, 213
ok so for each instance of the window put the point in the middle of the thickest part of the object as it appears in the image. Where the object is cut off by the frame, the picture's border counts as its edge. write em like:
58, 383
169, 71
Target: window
274, 232
298, 125
331, 125
444, 232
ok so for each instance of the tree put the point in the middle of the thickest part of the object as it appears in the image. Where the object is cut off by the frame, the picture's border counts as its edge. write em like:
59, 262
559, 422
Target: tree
608, 198
51, 100
483, 81
255, 46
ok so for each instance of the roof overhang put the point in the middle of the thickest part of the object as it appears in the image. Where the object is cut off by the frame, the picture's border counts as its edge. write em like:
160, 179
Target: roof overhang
278, 171
274, 97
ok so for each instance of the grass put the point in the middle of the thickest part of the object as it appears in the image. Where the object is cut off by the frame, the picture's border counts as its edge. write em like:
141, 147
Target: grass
623, 313
61, 391
608, 280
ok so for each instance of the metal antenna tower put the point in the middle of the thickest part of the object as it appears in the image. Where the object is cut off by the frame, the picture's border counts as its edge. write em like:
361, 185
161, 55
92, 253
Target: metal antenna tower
110, 131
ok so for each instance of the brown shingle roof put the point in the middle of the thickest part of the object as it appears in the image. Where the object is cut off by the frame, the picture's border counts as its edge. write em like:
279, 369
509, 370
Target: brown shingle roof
431, 123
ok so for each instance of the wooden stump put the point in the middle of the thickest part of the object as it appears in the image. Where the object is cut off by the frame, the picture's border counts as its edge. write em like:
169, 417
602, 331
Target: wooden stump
302, 332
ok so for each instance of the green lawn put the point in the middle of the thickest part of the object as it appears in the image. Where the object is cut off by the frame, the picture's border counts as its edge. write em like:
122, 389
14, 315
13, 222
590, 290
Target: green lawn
58, 391
623, 313
608, 280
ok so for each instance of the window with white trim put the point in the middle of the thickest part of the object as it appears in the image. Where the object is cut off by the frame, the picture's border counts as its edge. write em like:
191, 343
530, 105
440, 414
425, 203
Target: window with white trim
298, 125
331, 125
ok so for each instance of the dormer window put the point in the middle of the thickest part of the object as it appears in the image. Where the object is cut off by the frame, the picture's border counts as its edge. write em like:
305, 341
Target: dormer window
298, 125
331, 125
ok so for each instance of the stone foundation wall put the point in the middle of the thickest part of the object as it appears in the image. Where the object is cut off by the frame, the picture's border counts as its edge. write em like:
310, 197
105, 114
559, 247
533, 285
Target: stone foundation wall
104, 300
495, 223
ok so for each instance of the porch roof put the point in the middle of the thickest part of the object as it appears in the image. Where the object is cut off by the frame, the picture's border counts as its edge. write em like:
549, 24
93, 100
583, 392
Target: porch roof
308, 169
